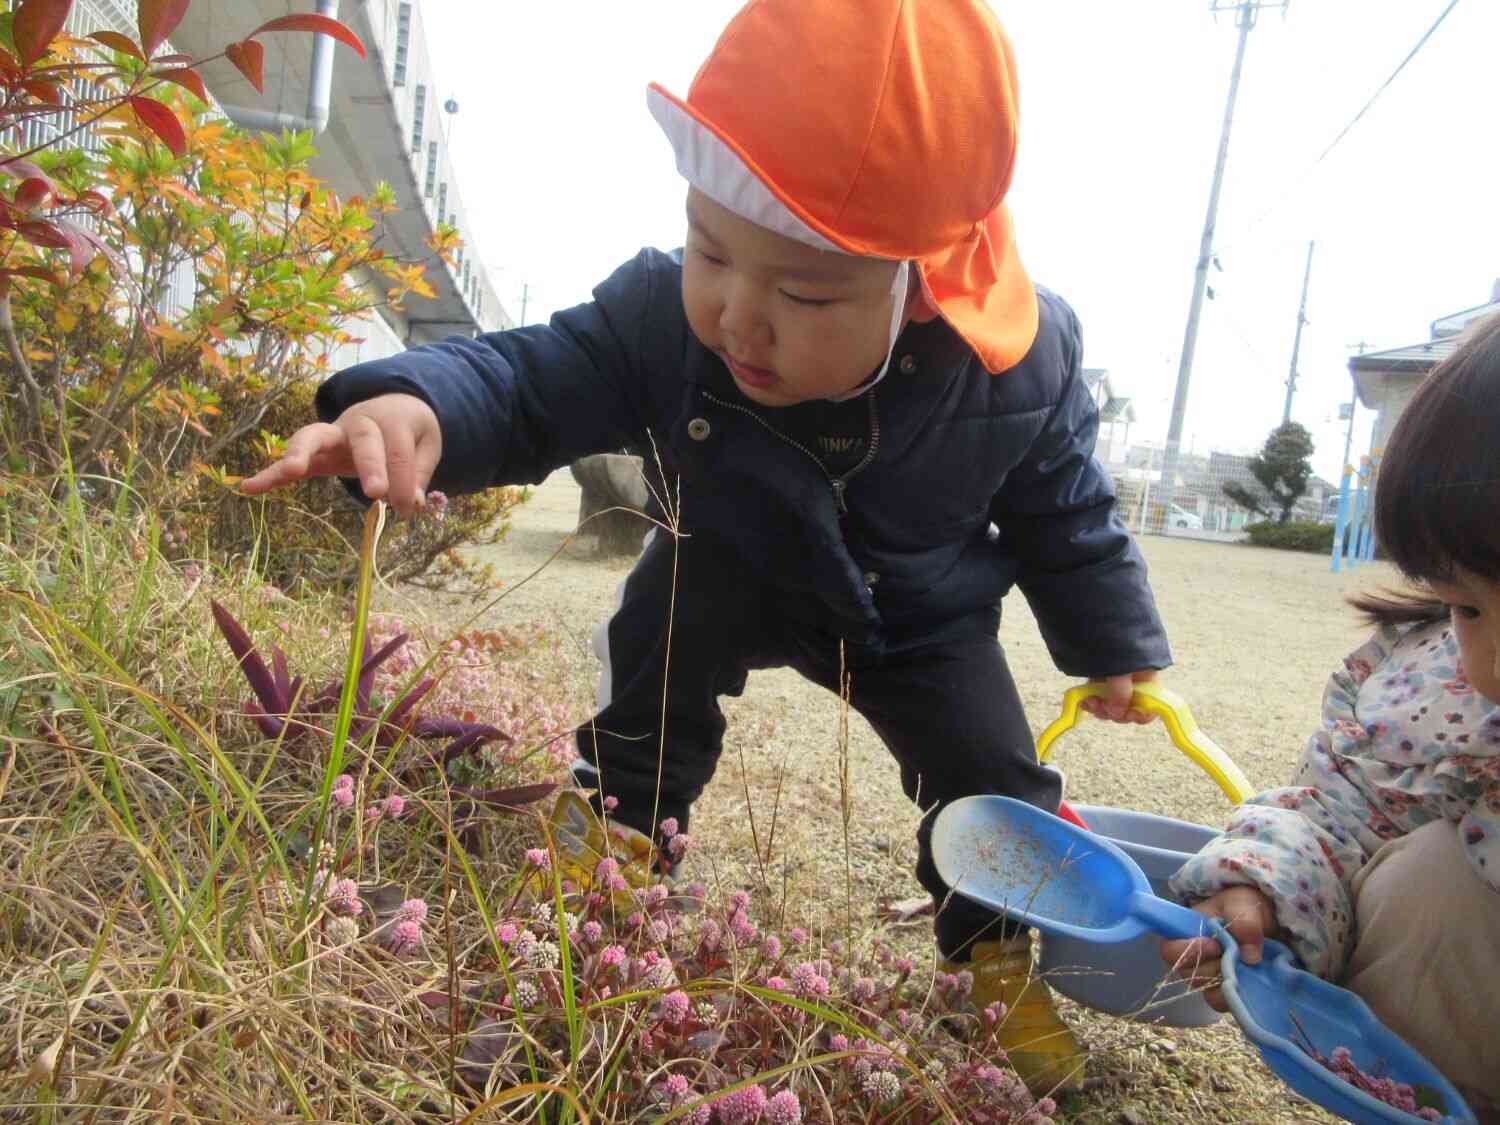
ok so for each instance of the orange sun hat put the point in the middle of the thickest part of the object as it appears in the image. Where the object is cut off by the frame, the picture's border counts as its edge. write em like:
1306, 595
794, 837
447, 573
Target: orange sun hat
879, 128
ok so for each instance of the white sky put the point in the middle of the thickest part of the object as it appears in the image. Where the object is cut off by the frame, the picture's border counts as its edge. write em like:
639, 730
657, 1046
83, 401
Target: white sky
564, 176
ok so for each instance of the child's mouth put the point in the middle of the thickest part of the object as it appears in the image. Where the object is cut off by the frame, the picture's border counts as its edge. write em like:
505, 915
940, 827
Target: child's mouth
748, 374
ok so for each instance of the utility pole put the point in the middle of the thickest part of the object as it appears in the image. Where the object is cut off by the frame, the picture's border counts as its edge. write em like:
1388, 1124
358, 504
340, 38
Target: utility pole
1291, 378
1247, 11
525, 292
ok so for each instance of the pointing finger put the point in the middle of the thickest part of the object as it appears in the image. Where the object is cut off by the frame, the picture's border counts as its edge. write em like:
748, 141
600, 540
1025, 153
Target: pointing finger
308, 453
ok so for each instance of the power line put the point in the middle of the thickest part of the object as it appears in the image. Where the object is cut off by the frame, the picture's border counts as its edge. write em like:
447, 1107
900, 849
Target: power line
1353, 121
1344, 132
1262, 365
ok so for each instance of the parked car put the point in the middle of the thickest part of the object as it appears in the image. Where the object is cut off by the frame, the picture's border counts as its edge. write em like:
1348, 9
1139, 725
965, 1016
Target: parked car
1181, 517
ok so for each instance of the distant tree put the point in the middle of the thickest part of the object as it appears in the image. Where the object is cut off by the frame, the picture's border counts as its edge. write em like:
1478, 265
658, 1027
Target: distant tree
1282, 468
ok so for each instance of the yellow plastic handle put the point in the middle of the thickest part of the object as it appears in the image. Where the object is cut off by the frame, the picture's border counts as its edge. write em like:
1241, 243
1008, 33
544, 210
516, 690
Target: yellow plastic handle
1181, 726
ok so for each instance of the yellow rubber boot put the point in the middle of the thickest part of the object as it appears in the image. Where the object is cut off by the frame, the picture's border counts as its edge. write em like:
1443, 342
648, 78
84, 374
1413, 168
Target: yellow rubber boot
582, 841
1042, 1048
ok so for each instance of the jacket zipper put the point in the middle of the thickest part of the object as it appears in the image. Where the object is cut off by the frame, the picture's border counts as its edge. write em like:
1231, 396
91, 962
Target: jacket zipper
838, 484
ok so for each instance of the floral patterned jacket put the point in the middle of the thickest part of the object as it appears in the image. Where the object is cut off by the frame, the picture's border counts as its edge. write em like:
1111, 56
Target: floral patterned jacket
1405, 740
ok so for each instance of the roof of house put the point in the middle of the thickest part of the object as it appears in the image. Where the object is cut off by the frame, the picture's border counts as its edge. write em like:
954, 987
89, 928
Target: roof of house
1422, 358
1117, 409
1419, 358
1455, 323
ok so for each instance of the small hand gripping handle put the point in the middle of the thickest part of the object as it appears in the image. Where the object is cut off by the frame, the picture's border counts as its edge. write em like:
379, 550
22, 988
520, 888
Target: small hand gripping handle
1181, 726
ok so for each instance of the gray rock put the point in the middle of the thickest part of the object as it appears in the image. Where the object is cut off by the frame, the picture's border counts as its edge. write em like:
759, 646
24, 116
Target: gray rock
611, 481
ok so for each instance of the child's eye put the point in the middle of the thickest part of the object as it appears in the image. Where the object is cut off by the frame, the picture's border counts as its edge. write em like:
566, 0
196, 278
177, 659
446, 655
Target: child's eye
1466, 612
808, 301
709, 258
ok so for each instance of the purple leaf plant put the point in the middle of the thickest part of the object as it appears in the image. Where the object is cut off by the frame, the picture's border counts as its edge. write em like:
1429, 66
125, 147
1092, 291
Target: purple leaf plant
280, 709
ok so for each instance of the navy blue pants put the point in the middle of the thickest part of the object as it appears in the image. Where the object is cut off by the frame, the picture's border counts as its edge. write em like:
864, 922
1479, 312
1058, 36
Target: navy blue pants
941, 698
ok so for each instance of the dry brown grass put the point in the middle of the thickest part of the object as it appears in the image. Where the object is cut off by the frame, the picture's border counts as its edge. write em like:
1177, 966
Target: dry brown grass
164, 957
161, 961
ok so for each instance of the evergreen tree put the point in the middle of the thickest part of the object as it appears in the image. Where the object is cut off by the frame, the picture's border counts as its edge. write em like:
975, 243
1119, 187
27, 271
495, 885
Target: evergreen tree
1282, 468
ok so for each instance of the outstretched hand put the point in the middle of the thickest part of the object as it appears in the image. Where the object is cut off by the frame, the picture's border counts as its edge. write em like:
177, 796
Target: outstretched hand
1115, 705
392, 443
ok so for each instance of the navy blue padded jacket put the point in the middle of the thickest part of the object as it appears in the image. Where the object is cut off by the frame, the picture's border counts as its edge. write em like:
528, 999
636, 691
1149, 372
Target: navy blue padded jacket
973, 483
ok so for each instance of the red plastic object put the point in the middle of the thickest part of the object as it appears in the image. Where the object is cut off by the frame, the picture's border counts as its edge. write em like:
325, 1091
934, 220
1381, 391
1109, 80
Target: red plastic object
1067, 812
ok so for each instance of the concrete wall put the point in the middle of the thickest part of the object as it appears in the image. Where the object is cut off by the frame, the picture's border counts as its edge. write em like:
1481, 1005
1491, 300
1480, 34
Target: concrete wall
1388, 393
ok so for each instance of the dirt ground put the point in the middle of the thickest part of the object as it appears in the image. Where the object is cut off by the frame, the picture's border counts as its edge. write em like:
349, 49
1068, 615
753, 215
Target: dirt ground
1255, 634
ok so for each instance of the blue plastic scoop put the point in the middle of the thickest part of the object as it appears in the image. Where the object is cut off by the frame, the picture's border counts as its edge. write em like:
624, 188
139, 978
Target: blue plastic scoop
1021, 861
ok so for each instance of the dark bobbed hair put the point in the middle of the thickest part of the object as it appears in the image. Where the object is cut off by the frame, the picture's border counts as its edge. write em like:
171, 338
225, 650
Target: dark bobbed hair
1437, 495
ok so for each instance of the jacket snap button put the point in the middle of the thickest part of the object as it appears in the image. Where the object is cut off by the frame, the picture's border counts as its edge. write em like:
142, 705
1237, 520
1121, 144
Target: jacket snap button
908, 365
699, 429
871, 577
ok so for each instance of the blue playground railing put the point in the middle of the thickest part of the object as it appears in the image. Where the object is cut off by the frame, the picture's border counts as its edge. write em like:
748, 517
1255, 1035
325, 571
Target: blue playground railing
1354, 526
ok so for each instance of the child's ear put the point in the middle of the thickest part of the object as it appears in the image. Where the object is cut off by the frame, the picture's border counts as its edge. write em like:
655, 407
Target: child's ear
918, 308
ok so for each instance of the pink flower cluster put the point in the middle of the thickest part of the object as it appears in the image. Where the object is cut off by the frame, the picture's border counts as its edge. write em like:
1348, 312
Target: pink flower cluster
675, 1093
607, 876
956, 984
406, 935
809, 982
742, 1106
1398, 1095
344, 899
392, 806
703, 1045
479, 679
750, 1104
674, 1007
677, 842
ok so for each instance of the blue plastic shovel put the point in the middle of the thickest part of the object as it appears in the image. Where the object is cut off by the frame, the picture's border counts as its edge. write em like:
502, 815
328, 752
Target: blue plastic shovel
1021, 861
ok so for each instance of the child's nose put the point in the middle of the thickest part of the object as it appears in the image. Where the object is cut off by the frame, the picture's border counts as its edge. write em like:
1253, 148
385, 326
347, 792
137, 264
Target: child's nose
742, 317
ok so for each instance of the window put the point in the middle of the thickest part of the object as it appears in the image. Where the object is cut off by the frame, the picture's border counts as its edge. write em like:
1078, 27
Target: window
431, 168
418, 117
442, 203
403, 43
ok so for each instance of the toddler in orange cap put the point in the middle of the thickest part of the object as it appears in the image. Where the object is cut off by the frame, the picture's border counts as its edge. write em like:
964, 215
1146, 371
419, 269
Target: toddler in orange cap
871, 424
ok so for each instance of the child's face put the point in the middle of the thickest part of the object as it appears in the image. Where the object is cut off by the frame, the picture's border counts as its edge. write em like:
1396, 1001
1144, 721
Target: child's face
791, 323
1476, 625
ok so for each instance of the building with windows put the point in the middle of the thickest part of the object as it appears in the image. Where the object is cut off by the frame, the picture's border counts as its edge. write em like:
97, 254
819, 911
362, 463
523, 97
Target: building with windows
376, 119
84, 16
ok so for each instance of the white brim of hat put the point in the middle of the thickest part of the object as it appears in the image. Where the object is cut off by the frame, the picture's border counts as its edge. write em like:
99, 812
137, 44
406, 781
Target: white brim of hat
711, 166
